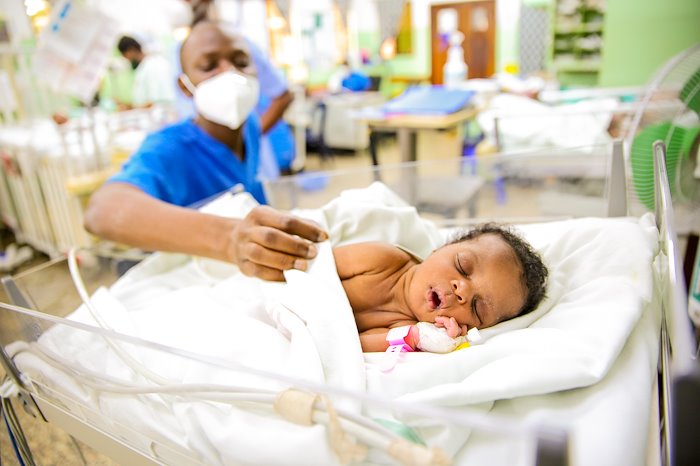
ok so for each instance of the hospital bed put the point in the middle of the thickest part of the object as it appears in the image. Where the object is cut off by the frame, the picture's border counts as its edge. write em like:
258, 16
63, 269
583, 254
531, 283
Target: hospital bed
154, 368
564, 118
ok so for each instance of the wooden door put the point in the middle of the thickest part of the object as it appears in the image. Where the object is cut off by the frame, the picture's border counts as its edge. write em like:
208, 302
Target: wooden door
477, 21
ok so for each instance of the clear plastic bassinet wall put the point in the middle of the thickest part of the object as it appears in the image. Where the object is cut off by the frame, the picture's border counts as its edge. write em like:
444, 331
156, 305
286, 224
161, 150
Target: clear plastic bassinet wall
168, 364
530, 185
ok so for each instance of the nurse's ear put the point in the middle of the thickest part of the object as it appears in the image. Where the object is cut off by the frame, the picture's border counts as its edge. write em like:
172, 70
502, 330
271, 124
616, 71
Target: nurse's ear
185, 85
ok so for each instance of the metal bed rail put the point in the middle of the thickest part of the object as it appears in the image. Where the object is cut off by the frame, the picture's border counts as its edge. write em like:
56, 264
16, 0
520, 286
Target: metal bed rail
680, 370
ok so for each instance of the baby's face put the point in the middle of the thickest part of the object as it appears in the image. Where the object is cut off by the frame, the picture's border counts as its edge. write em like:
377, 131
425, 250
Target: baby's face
478, 282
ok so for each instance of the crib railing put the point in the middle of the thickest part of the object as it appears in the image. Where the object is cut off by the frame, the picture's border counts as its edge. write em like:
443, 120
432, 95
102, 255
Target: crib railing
680, 370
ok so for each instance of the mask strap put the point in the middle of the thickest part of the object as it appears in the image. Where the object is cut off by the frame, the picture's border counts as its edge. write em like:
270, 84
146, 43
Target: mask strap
187, 83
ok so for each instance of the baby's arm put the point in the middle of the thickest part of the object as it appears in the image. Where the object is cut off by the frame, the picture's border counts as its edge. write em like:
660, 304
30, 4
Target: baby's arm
374, 340
423, 336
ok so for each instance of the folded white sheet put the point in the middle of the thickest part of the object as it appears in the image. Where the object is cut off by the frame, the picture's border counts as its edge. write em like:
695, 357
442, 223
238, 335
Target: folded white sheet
600, 281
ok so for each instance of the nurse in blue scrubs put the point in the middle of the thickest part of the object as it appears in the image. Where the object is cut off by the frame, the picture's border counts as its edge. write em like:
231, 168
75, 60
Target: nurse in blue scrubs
277, 143
145, 205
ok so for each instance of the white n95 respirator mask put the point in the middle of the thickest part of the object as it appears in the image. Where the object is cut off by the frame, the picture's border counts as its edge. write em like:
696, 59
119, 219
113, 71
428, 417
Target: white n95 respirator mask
226, 99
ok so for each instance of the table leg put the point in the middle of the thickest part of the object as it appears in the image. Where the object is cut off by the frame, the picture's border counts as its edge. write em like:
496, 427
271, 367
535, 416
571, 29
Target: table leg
373, 147
407, 144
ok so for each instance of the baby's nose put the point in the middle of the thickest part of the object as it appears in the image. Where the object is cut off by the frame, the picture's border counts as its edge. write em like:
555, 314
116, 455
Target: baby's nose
459, 290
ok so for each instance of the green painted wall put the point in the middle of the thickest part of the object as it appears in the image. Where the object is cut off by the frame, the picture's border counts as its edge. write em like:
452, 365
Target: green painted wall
418, 62
641, 35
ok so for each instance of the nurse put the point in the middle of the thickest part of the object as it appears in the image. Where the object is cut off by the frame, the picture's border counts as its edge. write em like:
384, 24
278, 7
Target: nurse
277, 143
145, 205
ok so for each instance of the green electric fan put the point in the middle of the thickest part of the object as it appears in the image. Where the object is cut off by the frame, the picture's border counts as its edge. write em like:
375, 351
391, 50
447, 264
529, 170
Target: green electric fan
669, 111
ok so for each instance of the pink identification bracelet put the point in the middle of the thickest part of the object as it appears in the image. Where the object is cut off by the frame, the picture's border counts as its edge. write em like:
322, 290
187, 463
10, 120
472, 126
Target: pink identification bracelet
397, 340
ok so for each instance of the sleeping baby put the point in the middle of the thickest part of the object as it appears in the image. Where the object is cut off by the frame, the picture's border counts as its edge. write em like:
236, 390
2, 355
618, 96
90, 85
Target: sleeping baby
478, 279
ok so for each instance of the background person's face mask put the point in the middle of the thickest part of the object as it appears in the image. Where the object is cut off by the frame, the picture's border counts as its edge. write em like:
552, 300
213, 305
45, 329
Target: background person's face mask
226, 99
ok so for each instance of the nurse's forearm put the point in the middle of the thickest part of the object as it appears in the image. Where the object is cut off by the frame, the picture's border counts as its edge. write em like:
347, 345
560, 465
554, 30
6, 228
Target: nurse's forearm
263, 244
126, 215
275, 111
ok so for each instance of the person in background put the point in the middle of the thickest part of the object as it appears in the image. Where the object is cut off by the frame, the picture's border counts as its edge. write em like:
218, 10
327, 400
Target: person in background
275, 98
152, 77
345, 79
277, 145
146, 204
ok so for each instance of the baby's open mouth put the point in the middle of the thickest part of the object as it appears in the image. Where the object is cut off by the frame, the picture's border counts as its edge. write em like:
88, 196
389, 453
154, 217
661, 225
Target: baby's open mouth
434, 299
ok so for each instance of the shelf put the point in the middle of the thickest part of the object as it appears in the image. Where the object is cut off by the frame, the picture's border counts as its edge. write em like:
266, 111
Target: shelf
580, 29
577, 33
582, 66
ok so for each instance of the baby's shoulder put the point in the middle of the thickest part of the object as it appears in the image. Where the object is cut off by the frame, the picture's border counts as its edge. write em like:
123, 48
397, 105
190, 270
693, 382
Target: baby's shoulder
370, 257
377, 250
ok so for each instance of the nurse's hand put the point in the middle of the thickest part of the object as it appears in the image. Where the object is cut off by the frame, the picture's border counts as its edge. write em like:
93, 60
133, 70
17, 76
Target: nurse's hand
268, 241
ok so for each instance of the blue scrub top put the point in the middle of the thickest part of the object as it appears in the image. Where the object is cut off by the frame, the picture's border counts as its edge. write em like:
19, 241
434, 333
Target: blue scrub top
181, 164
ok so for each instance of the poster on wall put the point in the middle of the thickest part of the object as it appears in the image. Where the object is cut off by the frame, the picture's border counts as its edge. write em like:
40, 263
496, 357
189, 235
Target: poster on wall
74, 49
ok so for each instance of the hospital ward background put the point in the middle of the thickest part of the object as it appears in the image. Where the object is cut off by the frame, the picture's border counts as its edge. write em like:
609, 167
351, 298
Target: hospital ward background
400, 121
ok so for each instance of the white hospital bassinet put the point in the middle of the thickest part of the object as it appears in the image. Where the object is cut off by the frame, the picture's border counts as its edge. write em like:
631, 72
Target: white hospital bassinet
174, 402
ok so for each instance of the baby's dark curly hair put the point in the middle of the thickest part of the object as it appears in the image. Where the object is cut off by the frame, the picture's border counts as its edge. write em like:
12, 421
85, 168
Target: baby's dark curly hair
534, 271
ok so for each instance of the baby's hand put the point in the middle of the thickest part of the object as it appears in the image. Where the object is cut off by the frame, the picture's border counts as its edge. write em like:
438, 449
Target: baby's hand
451, 326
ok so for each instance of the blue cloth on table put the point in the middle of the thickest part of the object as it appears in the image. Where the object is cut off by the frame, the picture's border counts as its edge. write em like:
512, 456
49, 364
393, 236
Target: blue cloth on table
356, 82
429, 100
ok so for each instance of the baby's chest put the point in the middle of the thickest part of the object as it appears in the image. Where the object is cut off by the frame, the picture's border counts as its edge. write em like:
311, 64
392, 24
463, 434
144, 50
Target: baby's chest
371, 302
366, 293
378, 318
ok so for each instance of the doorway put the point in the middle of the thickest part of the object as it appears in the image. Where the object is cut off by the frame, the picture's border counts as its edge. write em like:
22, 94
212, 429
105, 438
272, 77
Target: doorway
477, 21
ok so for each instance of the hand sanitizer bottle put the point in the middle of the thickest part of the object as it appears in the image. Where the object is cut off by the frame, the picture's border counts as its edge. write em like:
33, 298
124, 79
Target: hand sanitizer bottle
455, 70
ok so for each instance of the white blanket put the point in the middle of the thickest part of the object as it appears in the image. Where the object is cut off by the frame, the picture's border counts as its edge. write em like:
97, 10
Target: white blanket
600, 281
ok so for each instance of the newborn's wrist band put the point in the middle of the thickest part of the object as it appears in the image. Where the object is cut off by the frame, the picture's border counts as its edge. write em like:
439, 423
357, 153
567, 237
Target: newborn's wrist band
435, 339
397, 340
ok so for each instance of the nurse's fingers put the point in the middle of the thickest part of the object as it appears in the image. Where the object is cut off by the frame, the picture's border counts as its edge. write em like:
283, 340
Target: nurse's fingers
267, 216
265, 256
263, 239
257, 270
